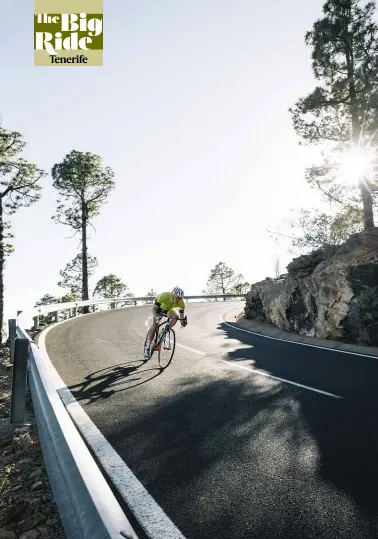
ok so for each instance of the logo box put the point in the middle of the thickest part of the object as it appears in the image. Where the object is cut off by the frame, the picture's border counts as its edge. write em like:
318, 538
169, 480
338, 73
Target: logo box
68, 32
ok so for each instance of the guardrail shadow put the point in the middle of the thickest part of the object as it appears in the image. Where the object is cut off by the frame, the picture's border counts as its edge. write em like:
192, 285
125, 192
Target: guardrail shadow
255, 457
101, 384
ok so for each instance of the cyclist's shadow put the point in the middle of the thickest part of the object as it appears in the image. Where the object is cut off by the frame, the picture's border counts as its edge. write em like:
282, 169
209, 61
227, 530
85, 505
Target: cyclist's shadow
99, 384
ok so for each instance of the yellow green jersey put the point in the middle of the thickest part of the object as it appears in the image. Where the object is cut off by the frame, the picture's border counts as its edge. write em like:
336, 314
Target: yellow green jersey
166, 302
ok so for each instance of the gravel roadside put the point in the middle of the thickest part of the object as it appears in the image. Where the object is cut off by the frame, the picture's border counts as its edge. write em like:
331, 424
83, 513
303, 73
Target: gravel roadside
27, 506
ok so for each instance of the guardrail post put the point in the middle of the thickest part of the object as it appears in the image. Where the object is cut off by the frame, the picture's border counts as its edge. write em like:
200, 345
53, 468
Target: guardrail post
20, 369
75, 311
12, 336
56, 316
36, 322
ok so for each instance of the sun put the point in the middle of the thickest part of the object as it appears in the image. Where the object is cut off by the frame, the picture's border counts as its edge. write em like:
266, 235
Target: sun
356, 164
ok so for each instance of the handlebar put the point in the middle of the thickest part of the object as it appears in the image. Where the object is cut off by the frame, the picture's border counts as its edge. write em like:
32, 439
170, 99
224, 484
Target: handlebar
174, 317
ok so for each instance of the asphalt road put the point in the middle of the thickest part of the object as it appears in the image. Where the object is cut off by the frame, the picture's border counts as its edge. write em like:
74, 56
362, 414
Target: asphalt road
228, 452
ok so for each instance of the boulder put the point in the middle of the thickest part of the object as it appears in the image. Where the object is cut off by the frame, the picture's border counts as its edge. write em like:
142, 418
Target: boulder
330, 295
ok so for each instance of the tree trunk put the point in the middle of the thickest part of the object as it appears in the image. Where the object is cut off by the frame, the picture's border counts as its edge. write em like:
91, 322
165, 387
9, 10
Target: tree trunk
85, 289
366, 196
222, 285
2, 260
367, 202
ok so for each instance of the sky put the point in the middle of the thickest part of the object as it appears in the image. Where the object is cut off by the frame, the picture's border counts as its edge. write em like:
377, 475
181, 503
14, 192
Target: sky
190, 110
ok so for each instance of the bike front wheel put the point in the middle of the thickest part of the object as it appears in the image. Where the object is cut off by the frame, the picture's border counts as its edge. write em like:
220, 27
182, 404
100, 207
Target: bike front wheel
167, 349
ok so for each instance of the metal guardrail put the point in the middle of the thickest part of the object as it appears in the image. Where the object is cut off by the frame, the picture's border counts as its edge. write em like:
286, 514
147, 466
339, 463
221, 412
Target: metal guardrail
128, 300
87, 506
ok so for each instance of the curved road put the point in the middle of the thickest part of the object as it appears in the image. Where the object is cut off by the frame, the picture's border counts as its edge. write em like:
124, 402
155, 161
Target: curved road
225, 447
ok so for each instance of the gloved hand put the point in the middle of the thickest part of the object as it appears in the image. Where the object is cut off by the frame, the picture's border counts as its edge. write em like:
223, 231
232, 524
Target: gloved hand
184, 322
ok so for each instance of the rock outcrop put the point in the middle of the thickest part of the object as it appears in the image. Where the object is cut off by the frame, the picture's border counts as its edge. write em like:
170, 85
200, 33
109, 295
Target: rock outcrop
330, 295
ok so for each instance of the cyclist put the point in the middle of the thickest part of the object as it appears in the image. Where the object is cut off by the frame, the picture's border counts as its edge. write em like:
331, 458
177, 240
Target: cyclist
167, 303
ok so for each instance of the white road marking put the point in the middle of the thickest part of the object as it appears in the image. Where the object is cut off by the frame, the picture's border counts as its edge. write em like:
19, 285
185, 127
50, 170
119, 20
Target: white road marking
149, 514
258, 372
223, 321
192, 349
262, 373
267, 375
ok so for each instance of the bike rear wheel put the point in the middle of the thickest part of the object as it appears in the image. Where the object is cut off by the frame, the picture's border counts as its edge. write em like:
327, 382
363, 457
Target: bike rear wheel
167, 349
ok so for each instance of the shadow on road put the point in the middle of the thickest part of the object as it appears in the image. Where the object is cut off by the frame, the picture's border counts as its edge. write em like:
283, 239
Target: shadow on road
259, 458
344, 431
100, 384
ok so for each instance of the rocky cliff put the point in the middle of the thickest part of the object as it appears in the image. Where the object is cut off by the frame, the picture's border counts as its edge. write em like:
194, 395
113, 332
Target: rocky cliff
330, 295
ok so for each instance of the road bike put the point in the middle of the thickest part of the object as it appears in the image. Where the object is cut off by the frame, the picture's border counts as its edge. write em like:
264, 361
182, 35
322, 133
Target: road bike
164, 340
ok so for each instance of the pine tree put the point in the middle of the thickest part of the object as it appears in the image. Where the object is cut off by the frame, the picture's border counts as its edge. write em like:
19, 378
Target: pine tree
83, 185
19, 186
72, 275
222, 280
111, 286
342, 112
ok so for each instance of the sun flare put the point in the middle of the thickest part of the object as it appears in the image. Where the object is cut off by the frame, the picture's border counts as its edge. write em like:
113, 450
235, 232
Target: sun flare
356, 163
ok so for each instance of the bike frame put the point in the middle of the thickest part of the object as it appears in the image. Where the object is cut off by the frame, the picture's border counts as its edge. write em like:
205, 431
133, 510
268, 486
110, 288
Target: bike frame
165, 323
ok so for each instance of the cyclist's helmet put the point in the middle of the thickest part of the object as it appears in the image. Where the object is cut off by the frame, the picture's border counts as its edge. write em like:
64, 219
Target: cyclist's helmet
177, 292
